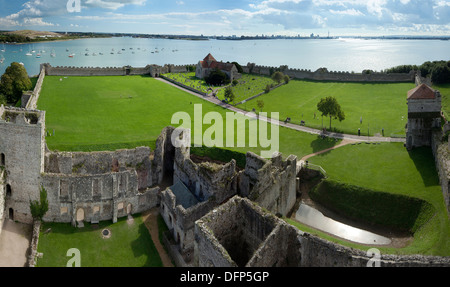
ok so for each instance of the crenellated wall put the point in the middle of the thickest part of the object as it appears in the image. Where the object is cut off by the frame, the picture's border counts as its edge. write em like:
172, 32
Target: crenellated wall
324, 75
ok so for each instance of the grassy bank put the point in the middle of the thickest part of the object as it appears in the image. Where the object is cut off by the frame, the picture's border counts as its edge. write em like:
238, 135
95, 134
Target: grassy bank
408, 191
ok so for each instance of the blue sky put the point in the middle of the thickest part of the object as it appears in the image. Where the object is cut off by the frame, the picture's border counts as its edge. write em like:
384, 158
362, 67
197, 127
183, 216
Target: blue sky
232, 17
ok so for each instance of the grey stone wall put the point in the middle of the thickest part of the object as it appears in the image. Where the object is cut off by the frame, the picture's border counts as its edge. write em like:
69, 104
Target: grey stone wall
22, 143
330, 76
31, 102
441, 153
94, 71
270, 183
282, 244
2, 198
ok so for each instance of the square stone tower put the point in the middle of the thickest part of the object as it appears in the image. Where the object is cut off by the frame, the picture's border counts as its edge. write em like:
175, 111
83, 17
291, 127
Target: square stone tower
22, 147
424, 114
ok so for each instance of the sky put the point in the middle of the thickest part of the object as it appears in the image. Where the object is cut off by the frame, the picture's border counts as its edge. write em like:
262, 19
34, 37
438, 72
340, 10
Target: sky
231, 17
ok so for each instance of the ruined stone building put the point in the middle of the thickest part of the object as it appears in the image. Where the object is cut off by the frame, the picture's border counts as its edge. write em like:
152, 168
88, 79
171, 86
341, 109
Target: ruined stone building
209, 64
424, 114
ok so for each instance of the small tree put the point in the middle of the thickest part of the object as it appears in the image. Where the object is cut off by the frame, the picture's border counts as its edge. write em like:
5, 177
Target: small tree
330, 107
39, 207
260, 104
229, 95
286, 79
278, 77
14, 81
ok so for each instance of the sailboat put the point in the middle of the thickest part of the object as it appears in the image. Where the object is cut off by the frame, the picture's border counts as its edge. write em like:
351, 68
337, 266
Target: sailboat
2, 60
3, 48
28, 54
53, 54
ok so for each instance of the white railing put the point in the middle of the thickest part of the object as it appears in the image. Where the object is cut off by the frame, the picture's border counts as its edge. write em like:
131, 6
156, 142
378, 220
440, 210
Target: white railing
316, 167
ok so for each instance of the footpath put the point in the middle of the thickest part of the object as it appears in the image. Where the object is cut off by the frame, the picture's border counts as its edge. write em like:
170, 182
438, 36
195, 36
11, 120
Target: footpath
340, 136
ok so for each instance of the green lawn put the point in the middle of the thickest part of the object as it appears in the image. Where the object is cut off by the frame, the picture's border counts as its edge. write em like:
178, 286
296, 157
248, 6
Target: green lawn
391, 168
108, 113
380, 105
248, 85
128, 246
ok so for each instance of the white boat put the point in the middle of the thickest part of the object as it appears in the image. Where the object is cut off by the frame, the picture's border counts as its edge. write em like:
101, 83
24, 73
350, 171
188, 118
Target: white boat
94, 54
2, 60
53, 54
28, 54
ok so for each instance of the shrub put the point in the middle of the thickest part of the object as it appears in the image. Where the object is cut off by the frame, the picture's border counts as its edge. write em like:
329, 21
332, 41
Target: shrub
217, 78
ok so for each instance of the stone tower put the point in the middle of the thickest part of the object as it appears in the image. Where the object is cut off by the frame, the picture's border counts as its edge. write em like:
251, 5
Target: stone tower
424, 114
22, 148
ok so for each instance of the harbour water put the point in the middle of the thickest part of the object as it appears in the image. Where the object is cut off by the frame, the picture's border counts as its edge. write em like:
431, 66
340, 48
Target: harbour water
351, 55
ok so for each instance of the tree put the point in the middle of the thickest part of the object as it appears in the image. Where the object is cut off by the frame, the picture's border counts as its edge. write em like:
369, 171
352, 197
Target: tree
217, 78
278, 76
2, 100
286, 79
229, 95
14, 81
330, 107
39, 207
260, 104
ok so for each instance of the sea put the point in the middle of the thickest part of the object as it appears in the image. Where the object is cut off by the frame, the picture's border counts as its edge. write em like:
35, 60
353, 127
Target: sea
337, 54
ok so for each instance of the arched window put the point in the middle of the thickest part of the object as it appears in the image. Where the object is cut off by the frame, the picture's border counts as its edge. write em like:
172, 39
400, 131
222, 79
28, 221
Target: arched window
8, 190
2, 159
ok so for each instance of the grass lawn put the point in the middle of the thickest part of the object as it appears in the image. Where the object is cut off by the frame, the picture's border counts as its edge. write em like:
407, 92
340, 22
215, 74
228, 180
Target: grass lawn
108, 113
248, 85
380, 105
128, 246
391, 168
444, 89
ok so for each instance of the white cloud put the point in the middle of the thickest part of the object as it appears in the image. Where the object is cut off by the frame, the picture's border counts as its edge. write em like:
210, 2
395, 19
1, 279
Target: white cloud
113, 4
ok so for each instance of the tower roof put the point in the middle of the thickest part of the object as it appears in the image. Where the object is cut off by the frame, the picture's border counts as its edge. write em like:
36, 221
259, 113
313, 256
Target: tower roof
209, 57
422, 92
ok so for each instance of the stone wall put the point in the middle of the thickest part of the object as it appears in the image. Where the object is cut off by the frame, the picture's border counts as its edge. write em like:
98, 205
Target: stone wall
441, 153
321, 75
2, 198
271, 183
33, 254
22, 144
94, 71
98, 186
31, 102
283, 244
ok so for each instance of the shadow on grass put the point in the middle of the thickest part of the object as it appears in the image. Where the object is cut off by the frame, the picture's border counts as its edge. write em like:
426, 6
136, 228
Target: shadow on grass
320, 144
144, 246
424, 161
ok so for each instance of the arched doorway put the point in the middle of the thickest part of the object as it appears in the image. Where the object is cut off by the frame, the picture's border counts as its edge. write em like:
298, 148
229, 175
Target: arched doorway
129, 208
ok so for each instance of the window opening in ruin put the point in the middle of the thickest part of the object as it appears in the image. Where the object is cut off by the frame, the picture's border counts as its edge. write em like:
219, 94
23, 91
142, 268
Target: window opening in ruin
11, 214
8, 190
2, 159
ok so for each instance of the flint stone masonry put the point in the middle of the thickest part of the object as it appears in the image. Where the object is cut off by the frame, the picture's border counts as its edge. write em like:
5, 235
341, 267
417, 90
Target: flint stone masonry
278, 243
197, 189
101, 184
271, 183
22, 144
2, 197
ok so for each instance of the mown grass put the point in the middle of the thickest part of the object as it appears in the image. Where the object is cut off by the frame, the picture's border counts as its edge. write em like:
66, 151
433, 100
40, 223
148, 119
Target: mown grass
128, 246
444, 89
108, 113
394, 173
370, 107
